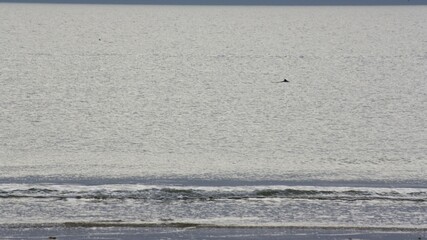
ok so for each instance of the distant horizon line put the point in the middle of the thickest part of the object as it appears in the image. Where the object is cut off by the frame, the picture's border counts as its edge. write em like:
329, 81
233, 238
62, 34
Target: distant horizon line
235, 2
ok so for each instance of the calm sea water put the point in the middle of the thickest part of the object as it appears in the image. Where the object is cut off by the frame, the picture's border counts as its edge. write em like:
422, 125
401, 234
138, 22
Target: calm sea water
174, 114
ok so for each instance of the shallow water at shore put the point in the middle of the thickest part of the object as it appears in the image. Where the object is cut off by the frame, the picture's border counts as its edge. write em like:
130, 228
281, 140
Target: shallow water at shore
209, 233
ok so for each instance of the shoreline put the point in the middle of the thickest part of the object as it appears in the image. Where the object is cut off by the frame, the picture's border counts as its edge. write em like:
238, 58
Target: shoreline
115, 231
186, 225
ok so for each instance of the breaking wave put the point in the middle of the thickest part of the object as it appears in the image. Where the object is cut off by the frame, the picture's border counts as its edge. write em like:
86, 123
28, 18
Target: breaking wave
174, 193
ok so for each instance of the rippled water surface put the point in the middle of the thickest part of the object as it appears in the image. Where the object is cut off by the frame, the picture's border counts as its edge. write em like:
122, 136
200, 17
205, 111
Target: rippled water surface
180, 109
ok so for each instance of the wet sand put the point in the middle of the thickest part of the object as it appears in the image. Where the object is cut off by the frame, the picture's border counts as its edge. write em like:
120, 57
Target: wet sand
205, 233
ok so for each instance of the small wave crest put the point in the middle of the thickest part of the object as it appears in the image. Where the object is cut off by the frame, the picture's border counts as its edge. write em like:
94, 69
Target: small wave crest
174, 193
